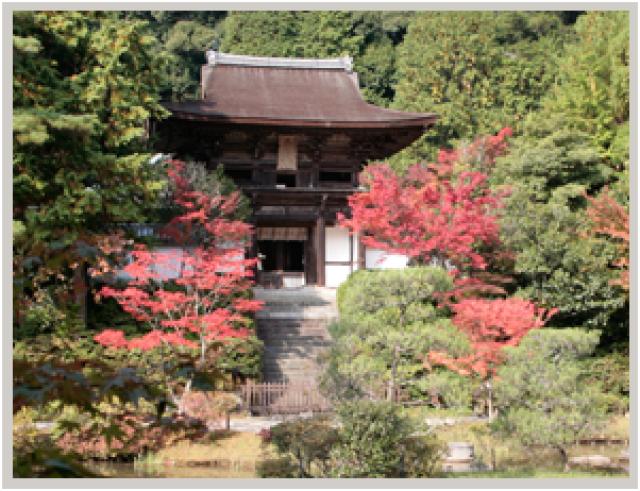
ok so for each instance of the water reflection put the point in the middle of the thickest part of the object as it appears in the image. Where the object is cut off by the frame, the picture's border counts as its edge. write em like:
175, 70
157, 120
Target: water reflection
121, 469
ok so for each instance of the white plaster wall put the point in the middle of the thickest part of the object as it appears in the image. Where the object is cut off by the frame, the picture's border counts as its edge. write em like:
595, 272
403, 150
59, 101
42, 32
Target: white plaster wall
337, 249
336, 274
168, 267
170, 263
336, 244
379, 259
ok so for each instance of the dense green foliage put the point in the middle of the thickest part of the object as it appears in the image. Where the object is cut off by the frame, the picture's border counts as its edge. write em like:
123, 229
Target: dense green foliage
447, 388
541, 392
408, 291
576, 143
388, 322
611, 372
479, 71
307, 441
593, 83
84, 86
369, 439
376, 440
183, 38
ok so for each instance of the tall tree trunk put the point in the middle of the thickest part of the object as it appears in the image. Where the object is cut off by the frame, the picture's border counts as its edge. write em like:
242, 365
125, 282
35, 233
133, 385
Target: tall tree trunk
203, 350
489, 387
564, 457
179, 401
80, 289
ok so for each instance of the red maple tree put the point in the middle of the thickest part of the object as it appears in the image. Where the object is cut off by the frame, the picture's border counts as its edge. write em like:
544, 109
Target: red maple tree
445, 213
491, 324
210, 277
440, 212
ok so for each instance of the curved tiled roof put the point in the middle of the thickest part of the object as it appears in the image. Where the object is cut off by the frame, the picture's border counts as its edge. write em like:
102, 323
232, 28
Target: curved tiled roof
288, 91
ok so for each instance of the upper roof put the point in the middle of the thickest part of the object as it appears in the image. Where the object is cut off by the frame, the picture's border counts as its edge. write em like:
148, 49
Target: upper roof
288, 91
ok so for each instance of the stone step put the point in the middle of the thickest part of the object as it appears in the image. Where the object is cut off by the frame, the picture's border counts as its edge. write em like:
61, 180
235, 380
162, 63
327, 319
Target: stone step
293, 353
302, 334
277, 374
294, 338
294, 328
305, 296
276, 356
278, 326
310, 361
305, 366
289, 351
293, 315
290, 322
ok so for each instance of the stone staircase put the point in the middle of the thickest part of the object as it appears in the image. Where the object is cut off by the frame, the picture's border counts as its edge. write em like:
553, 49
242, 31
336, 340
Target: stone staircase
294, 328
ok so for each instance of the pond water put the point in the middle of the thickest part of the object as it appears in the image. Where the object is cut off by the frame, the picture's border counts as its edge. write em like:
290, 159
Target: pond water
122, 469
535, 460
544, 459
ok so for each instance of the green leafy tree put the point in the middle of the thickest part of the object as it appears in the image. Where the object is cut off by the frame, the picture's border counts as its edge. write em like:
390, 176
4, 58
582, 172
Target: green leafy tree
479, 71
576, 144
611, 371
368, 439
557, 265
541, 394
593, 83
388, 322
183, 37
307, 441
550, 155
85, 84
376, 440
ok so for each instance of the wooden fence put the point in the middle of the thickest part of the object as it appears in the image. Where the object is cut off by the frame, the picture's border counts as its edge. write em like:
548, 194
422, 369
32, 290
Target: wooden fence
282, 398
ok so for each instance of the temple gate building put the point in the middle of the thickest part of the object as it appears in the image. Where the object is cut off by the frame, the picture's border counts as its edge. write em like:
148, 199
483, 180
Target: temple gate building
293, 134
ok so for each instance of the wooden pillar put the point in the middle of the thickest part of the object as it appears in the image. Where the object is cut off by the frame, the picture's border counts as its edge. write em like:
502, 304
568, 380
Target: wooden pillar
252, 251
310, 267
315, 174
361, 254
350, 253
320, 242
320, 252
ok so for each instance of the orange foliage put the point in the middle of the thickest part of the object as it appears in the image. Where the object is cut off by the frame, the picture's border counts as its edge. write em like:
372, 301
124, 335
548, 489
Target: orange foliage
610, 218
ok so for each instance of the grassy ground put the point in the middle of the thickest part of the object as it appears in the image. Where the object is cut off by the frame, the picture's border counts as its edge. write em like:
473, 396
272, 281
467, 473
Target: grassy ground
241, 449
